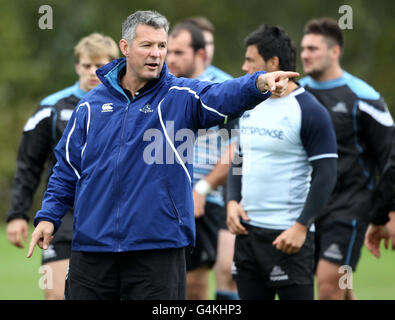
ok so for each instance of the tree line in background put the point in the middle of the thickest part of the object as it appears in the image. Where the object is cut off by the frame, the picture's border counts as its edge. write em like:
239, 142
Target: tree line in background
36, 62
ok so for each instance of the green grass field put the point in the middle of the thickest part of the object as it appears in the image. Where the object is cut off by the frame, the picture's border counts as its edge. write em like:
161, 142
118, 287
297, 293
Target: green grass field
19, 276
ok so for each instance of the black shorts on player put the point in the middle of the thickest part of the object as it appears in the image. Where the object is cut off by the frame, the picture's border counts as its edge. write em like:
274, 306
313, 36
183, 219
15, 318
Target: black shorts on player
262, 270
339, 240
205, 251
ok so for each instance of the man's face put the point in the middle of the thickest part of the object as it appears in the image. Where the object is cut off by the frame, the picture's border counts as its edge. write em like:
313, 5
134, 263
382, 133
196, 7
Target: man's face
316, 55
209, 40
146, 54
180, 55
253, 60
86, 69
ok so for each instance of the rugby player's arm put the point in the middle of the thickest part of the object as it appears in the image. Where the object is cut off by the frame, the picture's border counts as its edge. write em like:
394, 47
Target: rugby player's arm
235, 212
384, 192
323, 181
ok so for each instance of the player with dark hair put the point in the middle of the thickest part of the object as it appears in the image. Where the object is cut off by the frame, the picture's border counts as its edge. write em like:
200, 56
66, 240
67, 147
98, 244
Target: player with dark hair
364, 129
288, 170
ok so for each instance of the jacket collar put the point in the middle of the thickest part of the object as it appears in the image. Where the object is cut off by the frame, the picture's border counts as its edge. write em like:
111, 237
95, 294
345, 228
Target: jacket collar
109, 74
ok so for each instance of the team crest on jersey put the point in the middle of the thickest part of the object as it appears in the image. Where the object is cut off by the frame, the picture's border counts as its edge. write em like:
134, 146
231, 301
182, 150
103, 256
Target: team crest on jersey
246, 115
340, 107
146, 109
107, 107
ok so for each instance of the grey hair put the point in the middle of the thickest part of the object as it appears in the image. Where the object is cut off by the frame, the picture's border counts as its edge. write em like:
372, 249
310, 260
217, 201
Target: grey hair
150, 18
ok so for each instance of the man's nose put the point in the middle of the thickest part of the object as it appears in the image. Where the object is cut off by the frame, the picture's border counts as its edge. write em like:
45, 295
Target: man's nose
244, 67
155, 52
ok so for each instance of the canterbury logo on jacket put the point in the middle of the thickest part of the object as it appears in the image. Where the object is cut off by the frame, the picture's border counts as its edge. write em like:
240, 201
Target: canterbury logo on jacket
121, 203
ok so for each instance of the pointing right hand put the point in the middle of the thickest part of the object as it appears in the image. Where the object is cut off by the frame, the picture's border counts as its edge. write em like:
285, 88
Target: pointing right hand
42, 236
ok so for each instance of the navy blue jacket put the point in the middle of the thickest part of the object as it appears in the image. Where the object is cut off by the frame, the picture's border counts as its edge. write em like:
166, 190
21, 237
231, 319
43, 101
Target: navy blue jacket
122, 200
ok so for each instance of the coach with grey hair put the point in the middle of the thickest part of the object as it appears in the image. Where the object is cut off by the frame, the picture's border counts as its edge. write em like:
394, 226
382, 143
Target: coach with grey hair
133, 219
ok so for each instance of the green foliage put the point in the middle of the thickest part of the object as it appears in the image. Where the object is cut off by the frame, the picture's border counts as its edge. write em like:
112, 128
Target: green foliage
35, 62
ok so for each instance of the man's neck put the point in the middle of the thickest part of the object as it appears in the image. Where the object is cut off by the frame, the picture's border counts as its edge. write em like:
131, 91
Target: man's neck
291, 87
198, 71
131, 83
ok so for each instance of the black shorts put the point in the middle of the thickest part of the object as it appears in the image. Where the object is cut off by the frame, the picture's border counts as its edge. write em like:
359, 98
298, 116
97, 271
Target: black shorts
56, 251
339, 240
205, 251
257, 259
134, 275
222, 219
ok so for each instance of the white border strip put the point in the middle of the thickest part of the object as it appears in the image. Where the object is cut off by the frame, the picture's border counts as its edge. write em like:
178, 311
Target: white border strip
36, 118
322, 156
382, 117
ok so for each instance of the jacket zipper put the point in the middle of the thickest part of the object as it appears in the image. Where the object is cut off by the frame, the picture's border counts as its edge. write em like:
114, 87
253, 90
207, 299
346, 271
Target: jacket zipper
119, 180
177, 214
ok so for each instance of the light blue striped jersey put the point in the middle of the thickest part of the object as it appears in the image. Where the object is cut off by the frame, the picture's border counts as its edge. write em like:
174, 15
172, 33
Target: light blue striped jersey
209, 147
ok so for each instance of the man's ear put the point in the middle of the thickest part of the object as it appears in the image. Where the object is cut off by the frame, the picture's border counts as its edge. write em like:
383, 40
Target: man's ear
273, 64
336, 51
202, 54
77, 68
124, 47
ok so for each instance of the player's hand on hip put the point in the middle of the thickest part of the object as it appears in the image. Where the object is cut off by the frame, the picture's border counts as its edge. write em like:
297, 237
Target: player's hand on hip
17, 229
291, 240
41, 236
276, 82
234, 211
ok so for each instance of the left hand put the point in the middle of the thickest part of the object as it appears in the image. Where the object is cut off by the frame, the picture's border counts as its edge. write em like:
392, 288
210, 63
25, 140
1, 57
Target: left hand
199, 202
373, 237
292, 239
276, 82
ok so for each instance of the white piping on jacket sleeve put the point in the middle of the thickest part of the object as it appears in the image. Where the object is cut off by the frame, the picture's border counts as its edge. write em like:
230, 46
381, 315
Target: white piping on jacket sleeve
170, 143
71, 132
204, 105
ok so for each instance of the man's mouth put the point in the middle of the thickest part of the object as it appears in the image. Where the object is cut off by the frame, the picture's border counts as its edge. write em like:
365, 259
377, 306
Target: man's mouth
152, 65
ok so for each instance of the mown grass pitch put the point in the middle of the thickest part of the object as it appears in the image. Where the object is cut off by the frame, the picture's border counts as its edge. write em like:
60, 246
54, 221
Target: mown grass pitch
19, 276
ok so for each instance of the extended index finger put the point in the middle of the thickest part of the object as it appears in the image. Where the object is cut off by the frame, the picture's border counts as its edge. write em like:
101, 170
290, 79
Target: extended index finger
287, 74
32, 244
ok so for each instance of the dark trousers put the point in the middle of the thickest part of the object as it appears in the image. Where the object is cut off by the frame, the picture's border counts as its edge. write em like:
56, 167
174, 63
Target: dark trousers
148, 274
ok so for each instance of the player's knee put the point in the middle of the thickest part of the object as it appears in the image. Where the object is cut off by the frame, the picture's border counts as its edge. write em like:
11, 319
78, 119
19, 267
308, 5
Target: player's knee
51, 294
197, 285
223, 268
328, 289
197, 291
